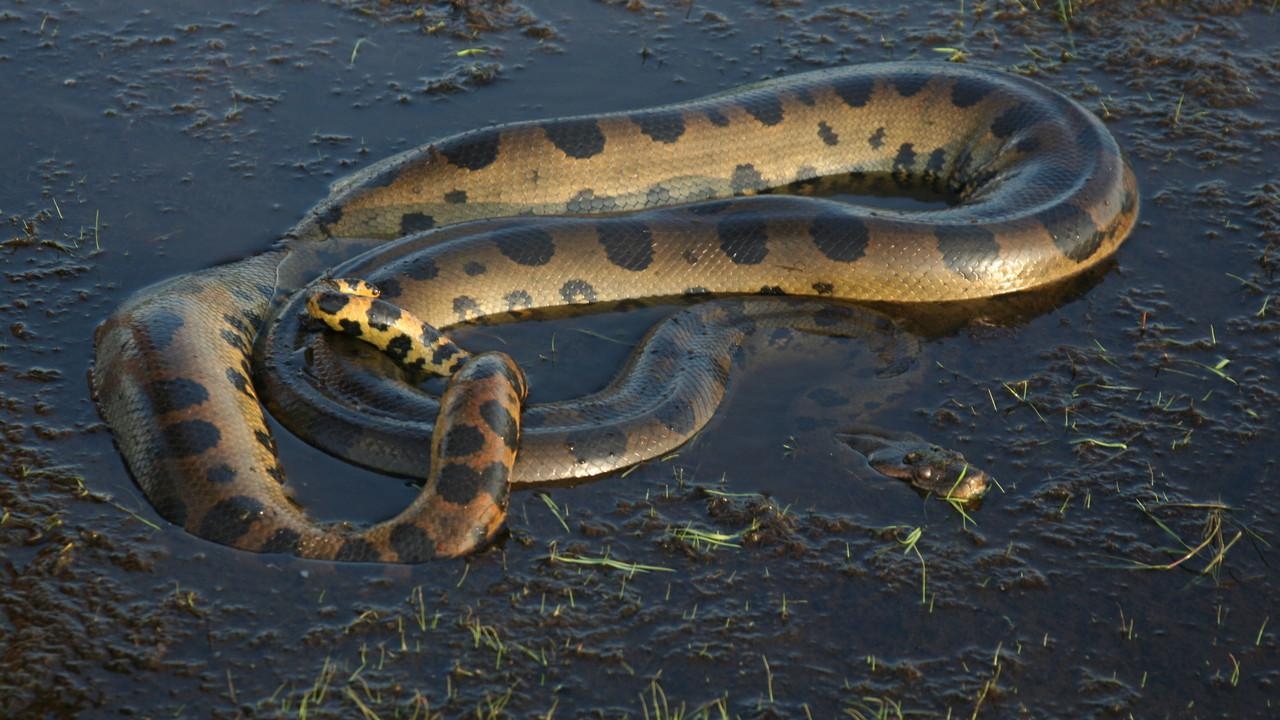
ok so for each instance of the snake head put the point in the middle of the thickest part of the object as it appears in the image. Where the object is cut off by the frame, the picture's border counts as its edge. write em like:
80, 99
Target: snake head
925, 466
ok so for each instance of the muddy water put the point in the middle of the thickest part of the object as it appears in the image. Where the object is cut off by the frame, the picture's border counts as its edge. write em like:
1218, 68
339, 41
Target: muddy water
1127, 568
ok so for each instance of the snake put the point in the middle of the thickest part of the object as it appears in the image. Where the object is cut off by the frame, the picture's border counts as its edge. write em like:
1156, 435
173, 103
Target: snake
704, 199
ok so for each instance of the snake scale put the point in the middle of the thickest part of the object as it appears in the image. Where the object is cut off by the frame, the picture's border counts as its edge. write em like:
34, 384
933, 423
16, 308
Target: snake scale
667, 201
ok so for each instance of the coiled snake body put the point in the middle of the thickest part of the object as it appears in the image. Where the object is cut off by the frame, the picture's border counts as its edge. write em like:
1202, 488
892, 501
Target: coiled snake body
451, 231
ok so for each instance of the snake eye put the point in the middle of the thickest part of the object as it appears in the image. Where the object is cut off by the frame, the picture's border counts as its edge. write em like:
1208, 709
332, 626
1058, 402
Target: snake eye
926, 472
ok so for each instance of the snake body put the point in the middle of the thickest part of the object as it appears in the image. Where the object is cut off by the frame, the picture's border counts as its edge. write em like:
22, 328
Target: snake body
454, 230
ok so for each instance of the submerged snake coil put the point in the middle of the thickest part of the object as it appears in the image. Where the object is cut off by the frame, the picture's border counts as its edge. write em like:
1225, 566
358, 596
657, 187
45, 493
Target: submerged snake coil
1042, 192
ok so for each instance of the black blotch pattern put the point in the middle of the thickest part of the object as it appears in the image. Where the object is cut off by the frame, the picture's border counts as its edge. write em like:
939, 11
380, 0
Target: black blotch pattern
398, 348
188, 438
466, 307
664, 126
282, 540
627, 243
876, 139
968, 92
937, 161
904, 162
1018, 117
461, 440
382, 315
908, 84
805, 97
842, 238
456, 197
771, 290
234, 339
529, 246
391, 288
220, 474
442, 355
745, 178
415, 222
1073, 231
357, 550
238, 381
829, 136
332, 303
518, 300
474, 151
580, 138
824, 288
577, 290
474, 268
855, 92
458, 483
744, 240
228, 520
500, 420
767, 110
966, 247
694, 291
264, 439
717, 118
411, 543
176, 394
422, 268
587, 446
328, 217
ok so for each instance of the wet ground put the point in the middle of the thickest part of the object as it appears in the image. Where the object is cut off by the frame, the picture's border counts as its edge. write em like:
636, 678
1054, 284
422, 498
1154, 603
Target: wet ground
1126, 568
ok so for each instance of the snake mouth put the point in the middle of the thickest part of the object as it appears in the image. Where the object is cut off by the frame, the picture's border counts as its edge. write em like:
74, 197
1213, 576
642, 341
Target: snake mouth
924, 466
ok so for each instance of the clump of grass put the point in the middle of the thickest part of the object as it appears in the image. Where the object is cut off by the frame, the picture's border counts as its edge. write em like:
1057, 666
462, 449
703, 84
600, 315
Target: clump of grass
1210, 551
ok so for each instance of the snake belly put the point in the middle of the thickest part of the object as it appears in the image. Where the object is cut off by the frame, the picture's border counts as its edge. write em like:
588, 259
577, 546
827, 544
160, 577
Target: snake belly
453, 231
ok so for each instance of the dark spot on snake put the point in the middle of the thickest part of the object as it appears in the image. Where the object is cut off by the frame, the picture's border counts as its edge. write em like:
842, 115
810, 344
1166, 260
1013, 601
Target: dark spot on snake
220, 474
627, 243
805, 97
745, 178
771, 290
461, 440
350, 327
587, 446
176, 394
677, 416
766, 109
357, 550
419, 269
743, 239
664, 126
501, 421
458, 483
188, 438
391, 288
695, 290
910, 83
473, 151
578, 291
586, 201
456, 197
328, 217
444, 355
382, 315
965, 247
828, 135
876, 141
411, 543
466, 307
1073, 231
530, 246
518, 300
275, 472
283, 540
398, 348
238, 381
906, 158
937, 161
824, 288
234, 339
967, 92
332, 303
839, 237
579, 138
855, 92
264, 439
415, 222
717, 118
1018, 117
228, 520
474, 268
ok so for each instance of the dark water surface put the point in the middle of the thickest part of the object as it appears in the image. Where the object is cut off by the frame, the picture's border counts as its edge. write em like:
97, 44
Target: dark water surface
1131, 424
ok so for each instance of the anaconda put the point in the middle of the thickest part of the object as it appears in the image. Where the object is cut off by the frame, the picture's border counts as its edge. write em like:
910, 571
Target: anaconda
655, 202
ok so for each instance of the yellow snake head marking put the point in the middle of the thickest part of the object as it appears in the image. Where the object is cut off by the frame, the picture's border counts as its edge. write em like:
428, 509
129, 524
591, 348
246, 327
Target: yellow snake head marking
923, 465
